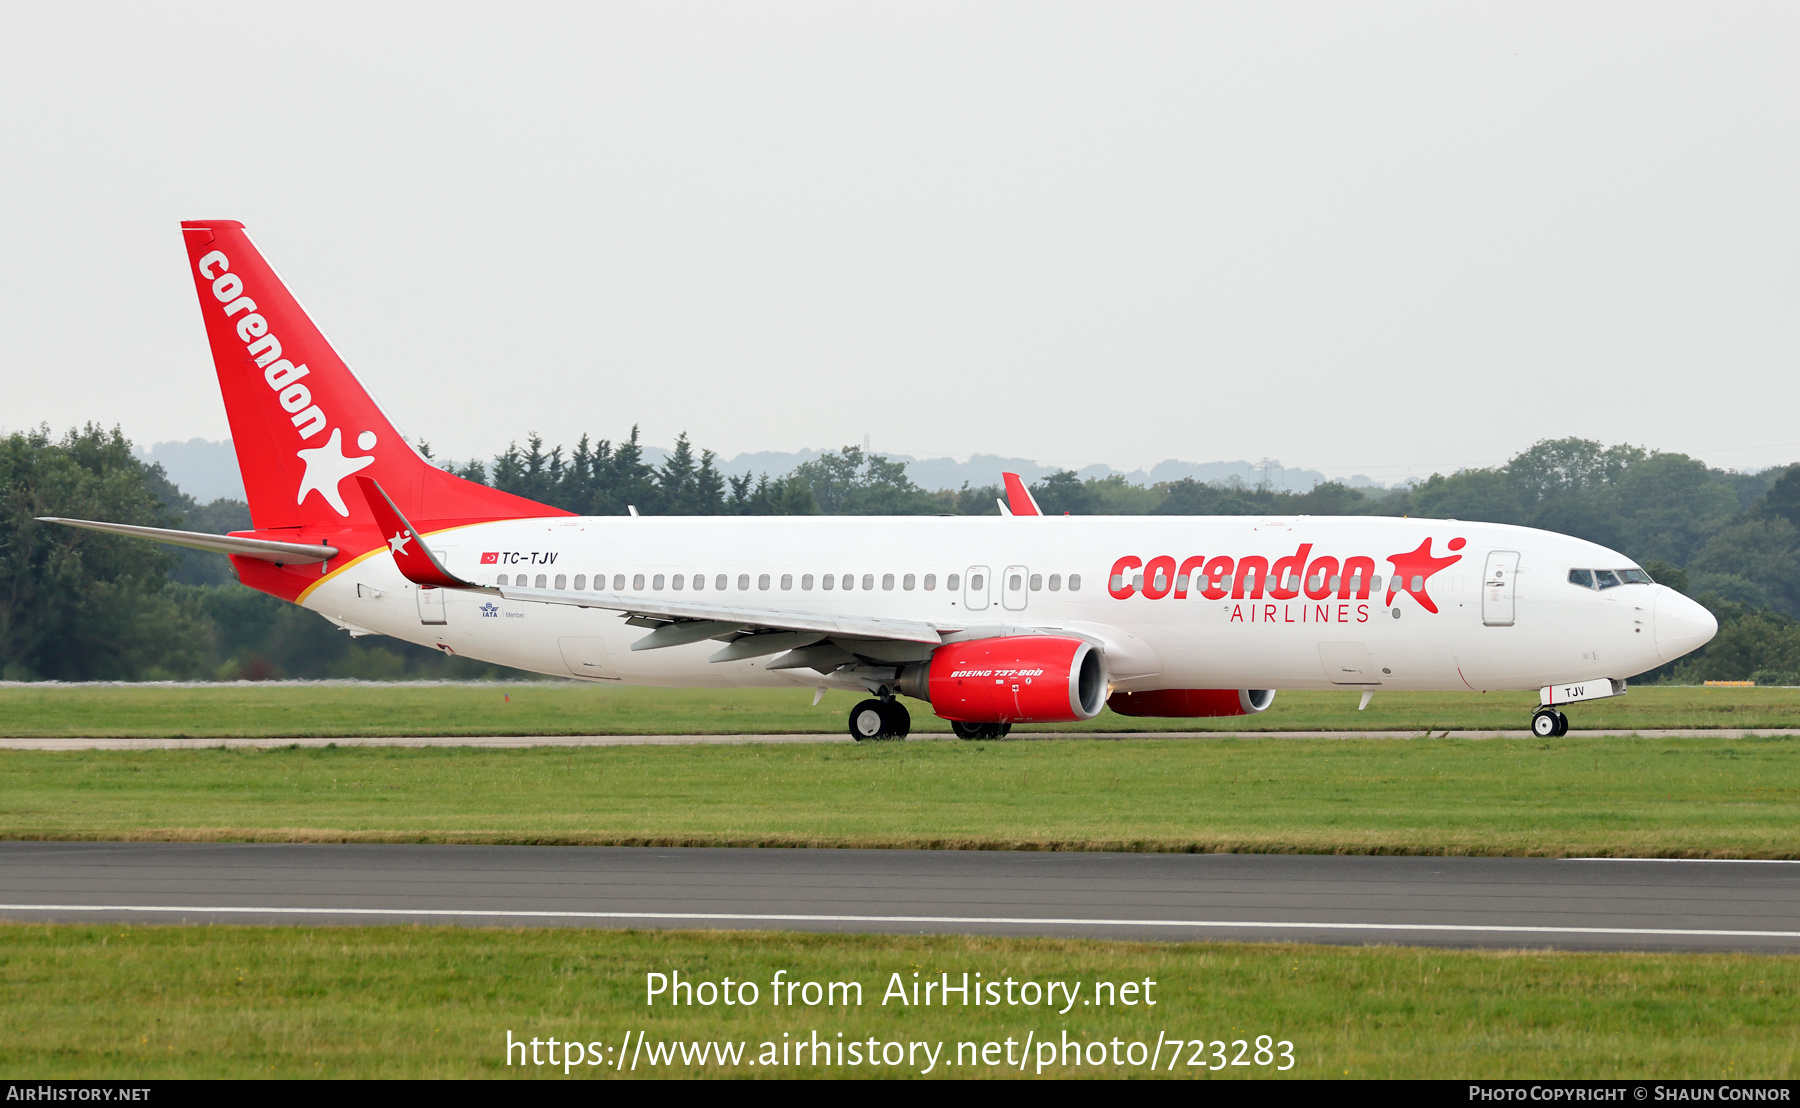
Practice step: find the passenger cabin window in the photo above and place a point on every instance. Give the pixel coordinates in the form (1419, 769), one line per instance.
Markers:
(743, 582)
(1582, 577)
(1056, 582)
(828, 582)
(908, 582)
(953, 581)
(868, 581)
(580, 582)
(931, 582)
(763, 582)
(562, 581)
(500, 580)
(806, 582)
(1037, 582)
(637, 582)
(787, 581)
(657, 582)
(619, 582)
(849, 581)
(679, 580)
(977, 581)
(699, 582)
(887, 582)
(540, 580)
(1074, 582)
(719, 582)
(1016, 582)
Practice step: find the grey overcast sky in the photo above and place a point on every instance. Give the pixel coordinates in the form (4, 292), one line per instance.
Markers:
(1376, 238)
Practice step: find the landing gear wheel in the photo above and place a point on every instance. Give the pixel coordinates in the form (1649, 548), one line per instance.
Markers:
(1547, 723)
(979, 730)
(867, 720)
(898, 721)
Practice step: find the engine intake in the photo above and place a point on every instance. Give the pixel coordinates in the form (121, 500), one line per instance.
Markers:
(1192, 703)
(1019, 679)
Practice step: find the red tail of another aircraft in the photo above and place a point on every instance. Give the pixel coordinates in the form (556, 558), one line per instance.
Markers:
(301, 421)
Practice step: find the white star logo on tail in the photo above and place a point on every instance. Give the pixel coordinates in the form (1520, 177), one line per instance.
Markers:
(398, 543)
(325, 467)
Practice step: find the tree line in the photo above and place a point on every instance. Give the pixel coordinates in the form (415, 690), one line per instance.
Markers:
(76, 605)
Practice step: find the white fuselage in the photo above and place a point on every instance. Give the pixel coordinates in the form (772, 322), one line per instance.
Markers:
(1533, 630)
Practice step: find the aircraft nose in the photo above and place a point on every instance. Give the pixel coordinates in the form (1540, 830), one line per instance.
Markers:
(1681, 624)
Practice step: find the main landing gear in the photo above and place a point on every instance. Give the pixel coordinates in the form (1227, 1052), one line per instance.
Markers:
(880, 719)
(1548, 723)
(979, 730)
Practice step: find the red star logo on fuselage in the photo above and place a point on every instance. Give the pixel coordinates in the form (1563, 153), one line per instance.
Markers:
(1418, 566)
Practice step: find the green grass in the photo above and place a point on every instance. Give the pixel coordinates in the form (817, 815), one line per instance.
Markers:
(1571, 796)
(89, 1002)
(342, 711)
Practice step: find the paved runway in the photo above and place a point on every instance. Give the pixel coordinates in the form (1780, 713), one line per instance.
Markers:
(1490, 902)
(103, 743)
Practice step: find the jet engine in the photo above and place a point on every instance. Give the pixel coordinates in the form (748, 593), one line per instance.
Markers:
(1018, 679)
(1192, 703)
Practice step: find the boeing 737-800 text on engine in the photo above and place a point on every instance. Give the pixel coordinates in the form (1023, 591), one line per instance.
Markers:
(992, 620)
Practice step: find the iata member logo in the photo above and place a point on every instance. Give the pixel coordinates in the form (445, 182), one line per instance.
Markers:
(490, 610)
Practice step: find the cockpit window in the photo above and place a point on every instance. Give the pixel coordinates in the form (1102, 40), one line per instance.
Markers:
(1608, 578)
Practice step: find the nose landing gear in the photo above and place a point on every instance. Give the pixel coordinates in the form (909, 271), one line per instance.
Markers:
(1548, 723)
(880, 719)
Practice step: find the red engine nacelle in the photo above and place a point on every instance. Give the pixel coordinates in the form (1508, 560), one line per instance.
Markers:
(1192, 703)
(1022, 679)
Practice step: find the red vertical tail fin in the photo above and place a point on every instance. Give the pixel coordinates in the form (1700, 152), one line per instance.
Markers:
(300, 419)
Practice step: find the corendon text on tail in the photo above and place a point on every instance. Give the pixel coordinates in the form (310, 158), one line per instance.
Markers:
(991, 621)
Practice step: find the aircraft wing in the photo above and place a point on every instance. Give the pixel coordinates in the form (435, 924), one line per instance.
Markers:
(728, 617)
(269, 550)
(673, 622)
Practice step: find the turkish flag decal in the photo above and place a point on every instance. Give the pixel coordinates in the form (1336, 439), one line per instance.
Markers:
(489, 559)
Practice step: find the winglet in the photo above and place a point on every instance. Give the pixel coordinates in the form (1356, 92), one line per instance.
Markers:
(1019, 497)
(415, 560)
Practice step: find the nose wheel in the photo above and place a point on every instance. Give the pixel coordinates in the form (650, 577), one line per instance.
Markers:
(1548, 723)
(880, 719)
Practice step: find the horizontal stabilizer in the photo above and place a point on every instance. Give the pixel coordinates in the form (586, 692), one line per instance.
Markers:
(269, 550)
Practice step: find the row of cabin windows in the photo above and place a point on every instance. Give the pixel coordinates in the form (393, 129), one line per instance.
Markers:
(1315, 583)
(1017, 582)
(827, 581)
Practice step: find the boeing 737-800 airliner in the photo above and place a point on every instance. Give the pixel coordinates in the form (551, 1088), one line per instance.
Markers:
(995, 620)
